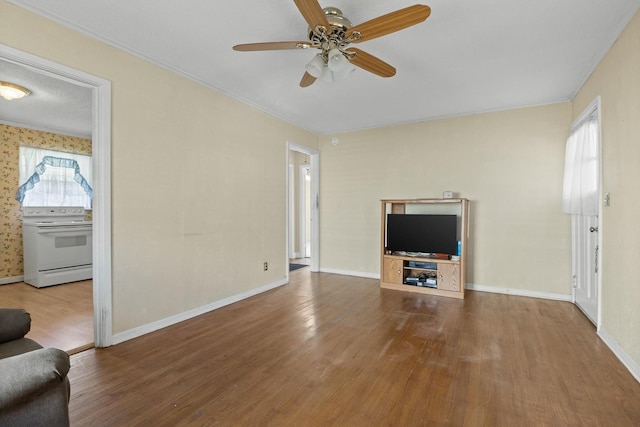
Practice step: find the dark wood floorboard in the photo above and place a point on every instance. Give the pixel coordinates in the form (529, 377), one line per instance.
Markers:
(61, 316)
(331, 350)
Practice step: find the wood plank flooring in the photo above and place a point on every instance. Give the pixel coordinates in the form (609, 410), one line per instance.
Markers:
(61, 316)
(330, 350)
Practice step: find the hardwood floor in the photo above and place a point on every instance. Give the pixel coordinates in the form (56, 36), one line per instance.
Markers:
(61, 316)
(330, 350)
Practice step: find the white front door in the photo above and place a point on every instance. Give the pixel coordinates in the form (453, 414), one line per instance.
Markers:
(585, 264)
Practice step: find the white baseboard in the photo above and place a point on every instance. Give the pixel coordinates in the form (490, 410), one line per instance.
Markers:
(472, 287)
(350, 273)
(8, 280)
(163, 323)
(624, 357)
(518, 292)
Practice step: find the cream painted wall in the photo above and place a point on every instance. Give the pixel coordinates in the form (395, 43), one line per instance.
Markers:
(617, 81)
(191, 223)
(509, 164)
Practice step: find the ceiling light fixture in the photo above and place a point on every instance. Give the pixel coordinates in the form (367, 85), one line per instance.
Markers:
(329, 68)
(337, 61)
(11, 91)
(333, 61)
(315, 66)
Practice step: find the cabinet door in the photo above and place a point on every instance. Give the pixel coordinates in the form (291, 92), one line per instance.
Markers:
(392, 270)
(449, 277)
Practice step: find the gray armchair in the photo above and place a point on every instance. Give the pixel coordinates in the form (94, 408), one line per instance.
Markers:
(34, 388)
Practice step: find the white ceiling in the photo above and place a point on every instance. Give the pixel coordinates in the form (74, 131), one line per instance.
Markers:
(54, 105)
(468, 57)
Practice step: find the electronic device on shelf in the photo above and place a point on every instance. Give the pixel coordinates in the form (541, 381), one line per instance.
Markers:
(423, 281)
(423, 264)
(418, 234)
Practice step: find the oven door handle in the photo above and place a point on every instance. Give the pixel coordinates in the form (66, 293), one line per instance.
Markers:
(73, 229)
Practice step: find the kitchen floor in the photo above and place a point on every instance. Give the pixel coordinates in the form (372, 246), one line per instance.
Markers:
(61, 315)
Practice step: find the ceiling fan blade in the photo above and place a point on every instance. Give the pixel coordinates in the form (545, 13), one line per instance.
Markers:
(250, 47)
(312, 13)
(391, 22)
(370, 63)
(307, 80)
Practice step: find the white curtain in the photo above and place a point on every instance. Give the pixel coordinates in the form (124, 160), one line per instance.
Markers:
(30, 157)
(54, 178)
(580, 187)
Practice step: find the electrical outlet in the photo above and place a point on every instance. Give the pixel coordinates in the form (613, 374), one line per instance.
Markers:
(266, 266)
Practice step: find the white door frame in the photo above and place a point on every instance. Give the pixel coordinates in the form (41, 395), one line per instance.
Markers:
(101, 154)
(594, 106)
(314, 164)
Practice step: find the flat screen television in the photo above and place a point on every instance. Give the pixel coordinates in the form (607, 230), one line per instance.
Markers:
(437, 234)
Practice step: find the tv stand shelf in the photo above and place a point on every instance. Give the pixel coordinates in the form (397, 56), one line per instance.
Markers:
(436, 275)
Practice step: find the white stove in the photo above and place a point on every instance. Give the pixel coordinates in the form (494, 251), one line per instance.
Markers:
(57, 245)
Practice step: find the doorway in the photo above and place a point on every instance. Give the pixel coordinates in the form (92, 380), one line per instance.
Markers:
(583, 150)
(303, 205)
(101, 163)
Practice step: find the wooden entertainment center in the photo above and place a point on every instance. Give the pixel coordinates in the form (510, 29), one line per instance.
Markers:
(434, 274)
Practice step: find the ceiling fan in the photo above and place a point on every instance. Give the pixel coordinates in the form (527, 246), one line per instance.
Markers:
(332, 34)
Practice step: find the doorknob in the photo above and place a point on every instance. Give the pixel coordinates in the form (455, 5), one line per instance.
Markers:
(593, 229)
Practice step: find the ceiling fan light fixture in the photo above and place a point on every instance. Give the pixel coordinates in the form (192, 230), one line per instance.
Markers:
(11, 91)
(345, 71)
(327, 75)
(337, 60)
(315, 66)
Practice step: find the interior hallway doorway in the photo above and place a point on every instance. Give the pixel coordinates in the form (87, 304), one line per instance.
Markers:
(302, 205)
(101, 155)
